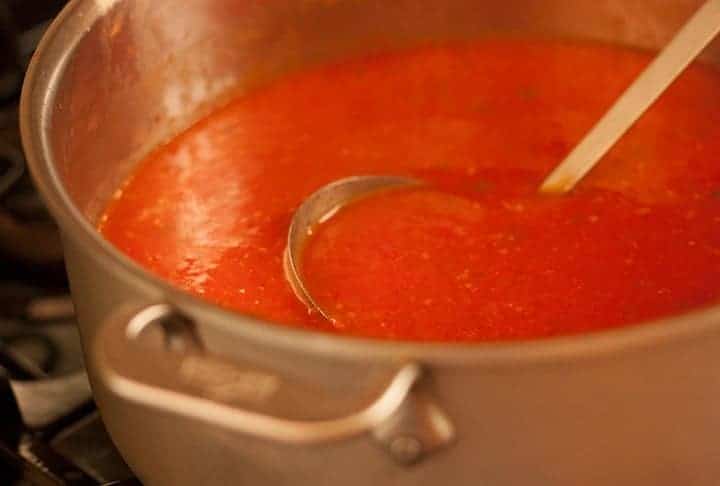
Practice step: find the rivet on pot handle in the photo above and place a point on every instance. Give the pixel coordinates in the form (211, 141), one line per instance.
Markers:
(155, 357)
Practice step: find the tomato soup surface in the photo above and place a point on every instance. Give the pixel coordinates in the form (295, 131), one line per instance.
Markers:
(476, 254)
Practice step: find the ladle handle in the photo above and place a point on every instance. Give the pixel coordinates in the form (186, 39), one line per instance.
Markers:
(695, 35)
(154, 357)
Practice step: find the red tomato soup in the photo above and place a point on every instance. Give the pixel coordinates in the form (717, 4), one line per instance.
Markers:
(474, 255)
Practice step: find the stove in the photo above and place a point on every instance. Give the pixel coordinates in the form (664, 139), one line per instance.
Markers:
(51, 432)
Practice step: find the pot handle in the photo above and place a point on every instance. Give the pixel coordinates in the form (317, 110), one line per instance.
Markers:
(156, 358)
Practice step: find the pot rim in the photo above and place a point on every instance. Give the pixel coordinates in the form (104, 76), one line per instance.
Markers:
(36, 106)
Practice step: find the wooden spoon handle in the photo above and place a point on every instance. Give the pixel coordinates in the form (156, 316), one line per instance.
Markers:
(695, 35)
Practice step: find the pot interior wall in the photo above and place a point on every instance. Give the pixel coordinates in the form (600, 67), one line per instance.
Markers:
(148, 68)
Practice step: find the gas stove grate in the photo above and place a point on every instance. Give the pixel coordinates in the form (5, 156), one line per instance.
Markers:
(51, 432)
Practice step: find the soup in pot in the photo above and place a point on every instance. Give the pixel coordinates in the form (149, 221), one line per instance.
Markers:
(476, 254)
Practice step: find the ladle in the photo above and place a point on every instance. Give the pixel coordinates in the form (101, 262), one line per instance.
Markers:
(687, 44)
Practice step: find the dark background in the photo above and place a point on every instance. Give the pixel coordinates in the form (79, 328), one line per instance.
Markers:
(50, 431)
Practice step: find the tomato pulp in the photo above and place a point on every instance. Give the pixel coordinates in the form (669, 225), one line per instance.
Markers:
(476, 254)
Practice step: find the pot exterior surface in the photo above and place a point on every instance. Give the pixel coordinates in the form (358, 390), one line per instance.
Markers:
(647, 416)
(114, 78)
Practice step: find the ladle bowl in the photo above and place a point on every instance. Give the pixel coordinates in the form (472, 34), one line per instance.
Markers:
(316, 209)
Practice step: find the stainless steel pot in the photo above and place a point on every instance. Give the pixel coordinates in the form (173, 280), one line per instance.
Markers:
(194, 395)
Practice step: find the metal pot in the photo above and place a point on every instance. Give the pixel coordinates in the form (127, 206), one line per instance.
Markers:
(192, 394)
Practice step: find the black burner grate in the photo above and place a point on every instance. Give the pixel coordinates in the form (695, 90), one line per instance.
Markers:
(51, 432)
